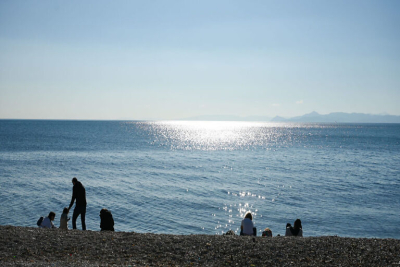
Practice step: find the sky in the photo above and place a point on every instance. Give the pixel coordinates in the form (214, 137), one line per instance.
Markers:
(166, 60)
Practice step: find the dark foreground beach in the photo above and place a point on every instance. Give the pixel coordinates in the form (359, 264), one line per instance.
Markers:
(23, 246)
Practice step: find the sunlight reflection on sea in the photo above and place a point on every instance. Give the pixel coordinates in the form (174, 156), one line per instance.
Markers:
(221, 135)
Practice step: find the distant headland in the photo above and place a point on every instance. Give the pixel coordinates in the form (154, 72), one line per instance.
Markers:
(313, 117)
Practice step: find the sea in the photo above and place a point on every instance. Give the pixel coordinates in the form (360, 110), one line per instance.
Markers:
(199, 177)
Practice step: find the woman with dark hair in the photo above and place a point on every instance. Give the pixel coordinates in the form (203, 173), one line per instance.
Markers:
(247, 227)
(48, 221)
(297, 230)
(106, 220)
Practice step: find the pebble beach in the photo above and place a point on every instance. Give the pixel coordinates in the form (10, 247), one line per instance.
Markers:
(25, 246)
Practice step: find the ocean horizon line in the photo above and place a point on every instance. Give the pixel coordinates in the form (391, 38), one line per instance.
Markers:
(185, 120)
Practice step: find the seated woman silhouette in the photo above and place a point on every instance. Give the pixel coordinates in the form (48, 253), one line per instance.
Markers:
(247, 227)
(297, 230)
(106, 220)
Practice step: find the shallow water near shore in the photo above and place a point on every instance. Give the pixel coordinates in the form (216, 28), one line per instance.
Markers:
(201, 177)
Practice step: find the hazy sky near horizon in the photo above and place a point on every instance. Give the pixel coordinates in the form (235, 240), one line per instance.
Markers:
(178, 59)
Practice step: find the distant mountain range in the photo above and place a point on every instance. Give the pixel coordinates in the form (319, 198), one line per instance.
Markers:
(227, 118)
(339, 117)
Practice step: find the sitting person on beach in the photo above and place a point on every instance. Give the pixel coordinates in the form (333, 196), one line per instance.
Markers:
(106, 220)
(48, 221)
(267, 232)
(247, 226)
(297, 230)
(230, 232)
(64, 219)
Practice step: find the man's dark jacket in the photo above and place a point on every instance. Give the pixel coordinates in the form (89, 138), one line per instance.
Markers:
(78, 193)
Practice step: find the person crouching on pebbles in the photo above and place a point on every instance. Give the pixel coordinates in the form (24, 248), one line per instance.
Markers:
(48, 221)
(267, 232)
(106, 220)
(297, 230)
(64, 219)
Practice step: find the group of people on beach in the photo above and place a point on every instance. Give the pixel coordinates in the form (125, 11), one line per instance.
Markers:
(79, 198)
(107, 221)
(247, 228)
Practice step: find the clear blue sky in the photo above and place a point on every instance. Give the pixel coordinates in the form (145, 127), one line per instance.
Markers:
(177, 59)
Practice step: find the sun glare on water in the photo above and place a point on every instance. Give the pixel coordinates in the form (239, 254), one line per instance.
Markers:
(214, 135)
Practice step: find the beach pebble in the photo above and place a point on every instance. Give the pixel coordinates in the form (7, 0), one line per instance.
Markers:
(23, 246)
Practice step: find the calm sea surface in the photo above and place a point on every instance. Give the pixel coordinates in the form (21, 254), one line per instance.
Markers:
(201, 177)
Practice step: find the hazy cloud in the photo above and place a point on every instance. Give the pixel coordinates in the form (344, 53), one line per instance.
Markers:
(299, 102)
(276, 105)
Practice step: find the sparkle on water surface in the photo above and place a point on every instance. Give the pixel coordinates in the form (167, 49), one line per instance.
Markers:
(202, 177)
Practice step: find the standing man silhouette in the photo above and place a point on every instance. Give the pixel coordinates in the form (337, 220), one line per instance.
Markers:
(78, 193)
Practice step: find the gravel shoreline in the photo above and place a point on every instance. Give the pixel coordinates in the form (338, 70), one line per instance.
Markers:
(25, 246)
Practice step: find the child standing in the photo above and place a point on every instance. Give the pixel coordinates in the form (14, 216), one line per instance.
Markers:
(64, 219)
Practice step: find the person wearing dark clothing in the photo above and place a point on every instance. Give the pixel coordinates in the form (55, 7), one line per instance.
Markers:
(297, 230)
(78, 194)
(106, 220)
